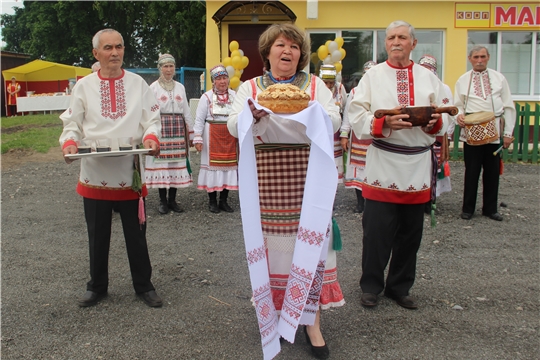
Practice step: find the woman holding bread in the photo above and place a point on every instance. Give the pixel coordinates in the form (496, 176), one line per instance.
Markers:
(286, 205)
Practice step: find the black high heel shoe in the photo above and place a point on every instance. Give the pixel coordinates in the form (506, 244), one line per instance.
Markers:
(320, 352)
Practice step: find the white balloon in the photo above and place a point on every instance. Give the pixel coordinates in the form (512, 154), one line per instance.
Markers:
(336, 56)
(230, 70)
(242, 52)
(333, 46)
(328, 60)
(338, 77)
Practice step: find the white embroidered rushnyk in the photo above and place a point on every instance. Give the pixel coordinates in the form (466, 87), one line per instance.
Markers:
(313, 231)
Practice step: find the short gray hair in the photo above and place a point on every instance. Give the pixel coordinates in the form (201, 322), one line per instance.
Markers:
(398, 23)
(96, 38)
(477, 48)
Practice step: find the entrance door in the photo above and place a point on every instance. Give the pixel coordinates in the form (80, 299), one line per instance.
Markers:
(248, 37)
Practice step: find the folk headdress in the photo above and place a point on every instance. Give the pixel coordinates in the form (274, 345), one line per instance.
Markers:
(218, 70)
(327, 72)
(429, 62)
(368, 65)
(162, 60)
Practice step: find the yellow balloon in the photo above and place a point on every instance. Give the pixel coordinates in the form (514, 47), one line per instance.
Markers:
(234, 83)
(245, 62)
(339, 41)
(233, 45)
(314, 58)
(338, 67)
(327, 43)
(343, 53)
(238, 73)
(227, 61)
(236, 62)
(322, 52)
(235, 53)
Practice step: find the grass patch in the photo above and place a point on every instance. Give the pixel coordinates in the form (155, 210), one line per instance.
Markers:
(32, 132)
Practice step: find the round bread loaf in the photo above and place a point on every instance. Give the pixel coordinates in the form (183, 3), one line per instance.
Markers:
(283, 99)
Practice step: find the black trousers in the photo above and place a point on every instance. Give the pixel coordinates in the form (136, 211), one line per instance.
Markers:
(98, 214)
(390, 230)
(478, 158)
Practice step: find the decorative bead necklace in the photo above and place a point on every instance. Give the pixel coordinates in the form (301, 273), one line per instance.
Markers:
(282, 79)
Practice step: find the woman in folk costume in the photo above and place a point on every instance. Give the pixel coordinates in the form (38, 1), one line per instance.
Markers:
(286, 205)
(441, 144)
(328, 74)
(356, 150)
(170, 170)
(219, 158)
(13, 90)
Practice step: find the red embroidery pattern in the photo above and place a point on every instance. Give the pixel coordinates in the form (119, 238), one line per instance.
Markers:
(266, 312)
(70, 111)
(178, 98)
(86, 181)
(106, 99)
(376, 183)
(297, 291)
(393, 186)
(480, 79)
(122, 184)
(446, 101)
(256, 255)
(411, 188)
(316, 286)
(402, 82)
(163, 98)
(154, 108)
(310, 237)
(425, 186)
(103, 182)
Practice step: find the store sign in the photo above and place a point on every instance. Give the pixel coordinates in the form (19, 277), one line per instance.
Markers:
(497, 15)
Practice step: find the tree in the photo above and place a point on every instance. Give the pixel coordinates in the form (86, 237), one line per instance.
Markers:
(62, 31)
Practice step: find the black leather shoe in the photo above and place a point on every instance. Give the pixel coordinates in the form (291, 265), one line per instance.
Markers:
(151, 298)
(163, 208)
(359, 208)
(466, 216)
(320, 352)
(225, 207)
(213, 207)
(405, 301)
(175, 207)
(495, 216)
(90, 298)
(369, 300)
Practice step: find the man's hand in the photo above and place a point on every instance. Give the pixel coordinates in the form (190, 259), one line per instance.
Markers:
(397, 122)
(198, 147)
(461, 120)
(344, 143)
(68, 150)
(154, 146)
(432, 122)
(507, 141)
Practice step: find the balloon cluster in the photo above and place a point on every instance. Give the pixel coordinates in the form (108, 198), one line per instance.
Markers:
(331, 53)
(235, 64)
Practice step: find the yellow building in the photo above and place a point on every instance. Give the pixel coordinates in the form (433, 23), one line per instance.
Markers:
(445, 29)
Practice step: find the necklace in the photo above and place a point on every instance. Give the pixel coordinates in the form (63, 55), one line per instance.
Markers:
(166, 84)
(282, 79)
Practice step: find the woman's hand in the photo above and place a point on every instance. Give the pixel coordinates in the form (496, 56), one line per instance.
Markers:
(198, 147)
(257, 114)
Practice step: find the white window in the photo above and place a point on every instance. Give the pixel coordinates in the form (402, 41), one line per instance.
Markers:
(516, 55)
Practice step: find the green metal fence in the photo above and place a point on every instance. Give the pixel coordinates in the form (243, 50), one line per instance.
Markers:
(526, 133)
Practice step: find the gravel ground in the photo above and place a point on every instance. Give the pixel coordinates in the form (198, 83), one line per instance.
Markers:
(477, 281)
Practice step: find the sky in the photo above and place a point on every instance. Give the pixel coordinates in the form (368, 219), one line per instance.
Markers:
(7, 6)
